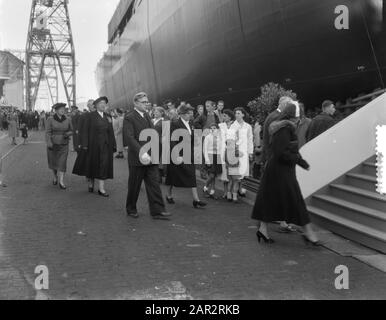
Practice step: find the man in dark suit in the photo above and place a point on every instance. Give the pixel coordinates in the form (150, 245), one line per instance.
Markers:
(140, 166)
(322, 122)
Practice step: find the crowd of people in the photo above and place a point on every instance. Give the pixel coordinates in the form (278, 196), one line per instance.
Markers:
(231, 145)
(18, 123)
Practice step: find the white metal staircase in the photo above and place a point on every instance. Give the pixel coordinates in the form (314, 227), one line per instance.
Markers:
(340, 188)
(351, 207)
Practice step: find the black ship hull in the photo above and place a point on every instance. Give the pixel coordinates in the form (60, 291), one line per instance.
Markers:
(212, 49)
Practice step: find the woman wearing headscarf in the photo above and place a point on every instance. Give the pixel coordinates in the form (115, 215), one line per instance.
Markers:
(279, 197)
(99, 141)
(180, 174)
(58, 133)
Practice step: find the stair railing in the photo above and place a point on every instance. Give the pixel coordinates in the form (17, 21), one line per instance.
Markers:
(342, 148)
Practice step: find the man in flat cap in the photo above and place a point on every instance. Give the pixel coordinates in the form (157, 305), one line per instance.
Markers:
(322, 122)
(140, 166)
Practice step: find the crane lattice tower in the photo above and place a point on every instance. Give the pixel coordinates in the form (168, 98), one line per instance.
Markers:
(50, 52)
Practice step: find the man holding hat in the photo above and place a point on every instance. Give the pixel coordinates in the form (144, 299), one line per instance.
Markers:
(322, 122)
(140, 166)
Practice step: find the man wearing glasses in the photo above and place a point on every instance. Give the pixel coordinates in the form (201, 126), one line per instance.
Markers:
(140, 166)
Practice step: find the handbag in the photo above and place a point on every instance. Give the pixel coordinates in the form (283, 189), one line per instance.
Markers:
(234, 164)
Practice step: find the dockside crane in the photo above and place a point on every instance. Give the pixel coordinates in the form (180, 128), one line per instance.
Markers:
(50, 52)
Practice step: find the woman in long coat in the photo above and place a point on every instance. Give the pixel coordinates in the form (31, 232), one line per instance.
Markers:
(81, 163)
(13, 127)
(100, 143)
(280, 197)
(58, 133)
(180, 174)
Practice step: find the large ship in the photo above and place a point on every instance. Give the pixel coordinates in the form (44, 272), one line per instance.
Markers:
(210, 49)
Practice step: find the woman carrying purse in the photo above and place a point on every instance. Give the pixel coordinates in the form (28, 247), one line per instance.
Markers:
(58, 133)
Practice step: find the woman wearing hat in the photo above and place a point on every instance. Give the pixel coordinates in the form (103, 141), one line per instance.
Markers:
(180, 174)
(279, 197)
(99, 140)
(58, 133)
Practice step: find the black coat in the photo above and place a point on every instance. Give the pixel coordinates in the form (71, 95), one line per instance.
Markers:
(133, 125)
(183, 175)
(200, 121)
(75, 125)
(158, 128)
(279, 197)
(266, 152)
(99, 140)
(81, 163)
(319, 125)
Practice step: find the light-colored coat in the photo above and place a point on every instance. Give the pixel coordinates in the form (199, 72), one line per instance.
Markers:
(244, 140)
(13, 126)
(118, 132)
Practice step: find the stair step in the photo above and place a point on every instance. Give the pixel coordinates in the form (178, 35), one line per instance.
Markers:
(370, 168)
(362, 181)
(359, 196)
(349, 229)
(366, 216)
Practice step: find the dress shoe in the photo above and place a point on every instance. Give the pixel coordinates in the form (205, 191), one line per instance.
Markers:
(199, 204)
(212, 196)
(242, 195)
(170, 200)
(62, 186)
(162, 216)
(133, 215)
(261, 236)
(55, 182)
(103, 194)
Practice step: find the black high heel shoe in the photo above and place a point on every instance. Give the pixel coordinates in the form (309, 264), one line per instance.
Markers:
(199, 204)
(63, 187)
(55, 182)
(103, 194)
(265, 239)
(307, 241)
(170, 200)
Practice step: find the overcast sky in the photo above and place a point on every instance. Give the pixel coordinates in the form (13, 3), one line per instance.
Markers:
(89, 20)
